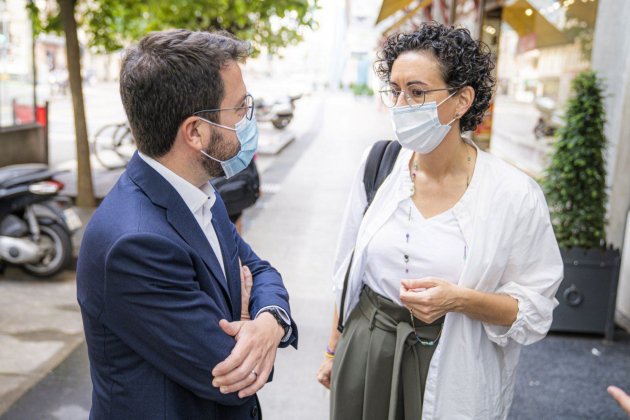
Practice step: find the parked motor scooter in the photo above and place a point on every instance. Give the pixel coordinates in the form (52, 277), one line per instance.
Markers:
(550, 119)
(279, 111)
(36, 223)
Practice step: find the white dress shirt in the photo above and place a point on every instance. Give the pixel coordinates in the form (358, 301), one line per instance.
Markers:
(511, 249)
(200, 201)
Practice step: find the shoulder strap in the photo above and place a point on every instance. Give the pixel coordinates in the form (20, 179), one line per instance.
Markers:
(378, 166)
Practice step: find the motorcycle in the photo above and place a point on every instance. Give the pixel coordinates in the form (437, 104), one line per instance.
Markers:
(36, 223)
(279, 111)
(550, 118)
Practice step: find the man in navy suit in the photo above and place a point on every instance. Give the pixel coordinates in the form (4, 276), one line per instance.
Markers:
(160, 268)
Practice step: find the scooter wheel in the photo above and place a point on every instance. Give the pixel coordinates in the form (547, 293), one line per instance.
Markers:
(58, 243)
(281, 123)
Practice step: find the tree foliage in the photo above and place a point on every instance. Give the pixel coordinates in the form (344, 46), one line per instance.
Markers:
(575, 182)
(112, 24)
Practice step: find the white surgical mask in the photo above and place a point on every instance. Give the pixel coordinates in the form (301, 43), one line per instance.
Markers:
(418, 128)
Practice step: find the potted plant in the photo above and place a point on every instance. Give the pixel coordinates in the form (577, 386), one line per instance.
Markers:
(575, 187)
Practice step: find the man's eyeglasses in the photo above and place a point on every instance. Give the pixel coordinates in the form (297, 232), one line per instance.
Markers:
(414, 96)
(246, 109)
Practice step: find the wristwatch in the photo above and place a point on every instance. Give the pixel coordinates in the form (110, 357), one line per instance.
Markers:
(279, 319)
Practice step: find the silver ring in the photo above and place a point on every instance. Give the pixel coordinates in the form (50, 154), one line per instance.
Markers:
(255, 374)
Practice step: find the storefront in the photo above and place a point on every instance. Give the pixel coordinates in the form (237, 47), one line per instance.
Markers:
(540, 46)
(22, 123)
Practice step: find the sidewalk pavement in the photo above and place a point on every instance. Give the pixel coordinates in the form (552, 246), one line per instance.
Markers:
(40, 325)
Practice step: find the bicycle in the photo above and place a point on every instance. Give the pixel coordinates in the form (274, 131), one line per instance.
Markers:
(113, 145)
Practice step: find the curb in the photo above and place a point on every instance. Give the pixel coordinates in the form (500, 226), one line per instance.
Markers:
(7, 400)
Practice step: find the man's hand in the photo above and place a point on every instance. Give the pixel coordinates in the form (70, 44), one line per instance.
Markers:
(429, 298)
(248, 366)
(621, 397)
(247, 282)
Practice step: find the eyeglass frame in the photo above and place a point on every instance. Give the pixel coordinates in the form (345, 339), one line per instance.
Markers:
(249, 115)
(424, 95)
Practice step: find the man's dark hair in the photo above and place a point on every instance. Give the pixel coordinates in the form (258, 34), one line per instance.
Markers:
(168, 76)
(462, 61)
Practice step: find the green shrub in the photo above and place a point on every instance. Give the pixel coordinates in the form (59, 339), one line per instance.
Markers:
(575, 181)
(362, 89)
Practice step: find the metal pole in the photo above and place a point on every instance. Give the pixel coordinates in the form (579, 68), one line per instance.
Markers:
(34, 73)
(480, 15)
(452, 13)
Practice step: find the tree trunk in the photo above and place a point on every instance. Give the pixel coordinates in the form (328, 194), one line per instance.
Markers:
(85, 191)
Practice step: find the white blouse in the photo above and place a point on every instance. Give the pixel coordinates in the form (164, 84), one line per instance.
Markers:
(409, 246)
(511, 249)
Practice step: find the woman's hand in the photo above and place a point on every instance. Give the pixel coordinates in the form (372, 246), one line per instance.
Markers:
(429, 298)
(325, 372)
(246, 290)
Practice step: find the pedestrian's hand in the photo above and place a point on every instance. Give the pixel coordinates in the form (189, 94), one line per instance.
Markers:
(247, 282)
(429, 298)
(621, 397)
(324, 373)
(249, 365)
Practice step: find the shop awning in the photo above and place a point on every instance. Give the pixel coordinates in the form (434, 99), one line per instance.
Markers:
(408, 15)
(542, 31)
(389, 7)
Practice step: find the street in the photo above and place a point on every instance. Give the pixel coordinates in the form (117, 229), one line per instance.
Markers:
(295, 227)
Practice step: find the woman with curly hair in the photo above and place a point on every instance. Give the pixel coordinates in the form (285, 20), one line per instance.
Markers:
(453, 266)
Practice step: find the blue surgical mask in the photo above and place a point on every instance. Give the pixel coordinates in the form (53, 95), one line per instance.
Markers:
(247, 134)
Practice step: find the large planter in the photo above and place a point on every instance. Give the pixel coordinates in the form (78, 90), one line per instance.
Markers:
(588, 292)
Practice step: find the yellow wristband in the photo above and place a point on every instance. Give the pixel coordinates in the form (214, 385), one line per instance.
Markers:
(329, 355)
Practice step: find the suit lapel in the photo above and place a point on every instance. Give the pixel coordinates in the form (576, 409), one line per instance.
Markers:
(232, 271)
(162, 194)
(186, 225)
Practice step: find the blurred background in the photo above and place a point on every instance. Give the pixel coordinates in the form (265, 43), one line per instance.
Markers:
(63, 133)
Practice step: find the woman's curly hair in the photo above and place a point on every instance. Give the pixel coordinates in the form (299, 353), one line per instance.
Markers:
(462, 60)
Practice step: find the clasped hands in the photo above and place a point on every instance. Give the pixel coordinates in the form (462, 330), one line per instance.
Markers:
(429, 298)
(249, 365)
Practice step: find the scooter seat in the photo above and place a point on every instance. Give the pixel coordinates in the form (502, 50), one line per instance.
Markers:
(10, 174)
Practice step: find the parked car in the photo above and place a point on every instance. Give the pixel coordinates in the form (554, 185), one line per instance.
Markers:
(239, 192)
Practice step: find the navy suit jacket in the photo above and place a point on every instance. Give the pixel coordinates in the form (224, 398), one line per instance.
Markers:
(152, 292)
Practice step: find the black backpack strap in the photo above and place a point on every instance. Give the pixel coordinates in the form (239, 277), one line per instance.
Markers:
(378, 166)
(343, 296)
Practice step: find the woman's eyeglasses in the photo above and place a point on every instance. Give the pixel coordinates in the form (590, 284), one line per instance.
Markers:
(413, 95)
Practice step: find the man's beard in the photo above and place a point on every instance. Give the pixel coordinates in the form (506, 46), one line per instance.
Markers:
(218, 148)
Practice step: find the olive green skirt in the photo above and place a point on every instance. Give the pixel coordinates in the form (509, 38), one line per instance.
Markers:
(380, 367)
